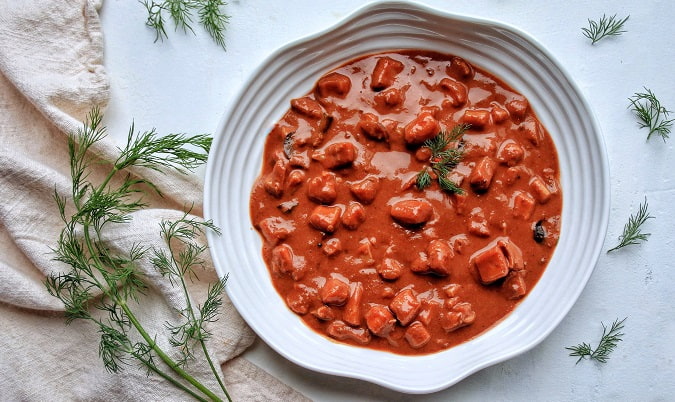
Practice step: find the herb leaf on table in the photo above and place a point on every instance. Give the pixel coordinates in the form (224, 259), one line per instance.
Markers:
(209, 12)
(96, 269)
(632, 230)
(604, 27)
(651, 113)
(608, 342)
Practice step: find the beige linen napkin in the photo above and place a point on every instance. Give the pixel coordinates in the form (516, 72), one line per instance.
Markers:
(51, 75)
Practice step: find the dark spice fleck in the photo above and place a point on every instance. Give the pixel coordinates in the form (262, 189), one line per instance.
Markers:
(539, 232)
(288, 145)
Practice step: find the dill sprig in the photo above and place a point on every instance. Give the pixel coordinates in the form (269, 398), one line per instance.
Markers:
(210, 14)
(651, 113)
(608, 342)
(632, 231)
(103, 286)
(604, 27)
(214, 20)
(443, 160)
(179, 263)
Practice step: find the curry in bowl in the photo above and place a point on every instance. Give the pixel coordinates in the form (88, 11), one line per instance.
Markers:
(407, 203)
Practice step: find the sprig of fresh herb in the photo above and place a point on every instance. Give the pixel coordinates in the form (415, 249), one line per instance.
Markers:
(632, 231)
(210, 14)
(608, 342)
(651, 113)
(96, 270)
(443, 160)
(604, 27)
(178, 263)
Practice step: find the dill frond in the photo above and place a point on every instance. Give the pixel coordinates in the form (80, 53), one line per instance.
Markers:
(214, 20)
(443, 159)
(604, 27)
(94, 269)
(423, 179)
(210, 14)
(632, 230)
(608, 342)
(651, 113)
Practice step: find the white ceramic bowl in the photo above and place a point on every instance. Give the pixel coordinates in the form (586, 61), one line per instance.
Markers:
(515, 57)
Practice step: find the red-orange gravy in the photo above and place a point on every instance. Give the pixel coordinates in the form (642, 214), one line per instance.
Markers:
(358, 250)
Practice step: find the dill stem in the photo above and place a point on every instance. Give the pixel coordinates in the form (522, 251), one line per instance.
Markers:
(156, 370)
(165, 358)
(172, 380)
(201, 340)
(213, 369)
(141, 330)
(108, 285)
(112, 173)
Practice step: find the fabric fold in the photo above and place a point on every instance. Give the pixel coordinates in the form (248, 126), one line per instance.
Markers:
(51, 76)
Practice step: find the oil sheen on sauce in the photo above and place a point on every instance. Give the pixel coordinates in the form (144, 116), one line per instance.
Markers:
(363, 255)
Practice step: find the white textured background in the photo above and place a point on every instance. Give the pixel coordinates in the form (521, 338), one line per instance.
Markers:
(185, 83)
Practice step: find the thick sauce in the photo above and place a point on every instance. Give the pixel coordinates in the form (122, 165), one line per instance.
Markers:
(359, 251)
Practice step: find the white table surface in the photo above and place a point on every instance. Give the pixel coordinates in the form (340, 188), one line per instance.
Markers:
(185, 83)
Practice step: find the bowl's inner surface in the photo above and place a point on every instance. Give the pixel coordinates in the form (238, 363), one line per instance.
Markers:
(408, 202)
